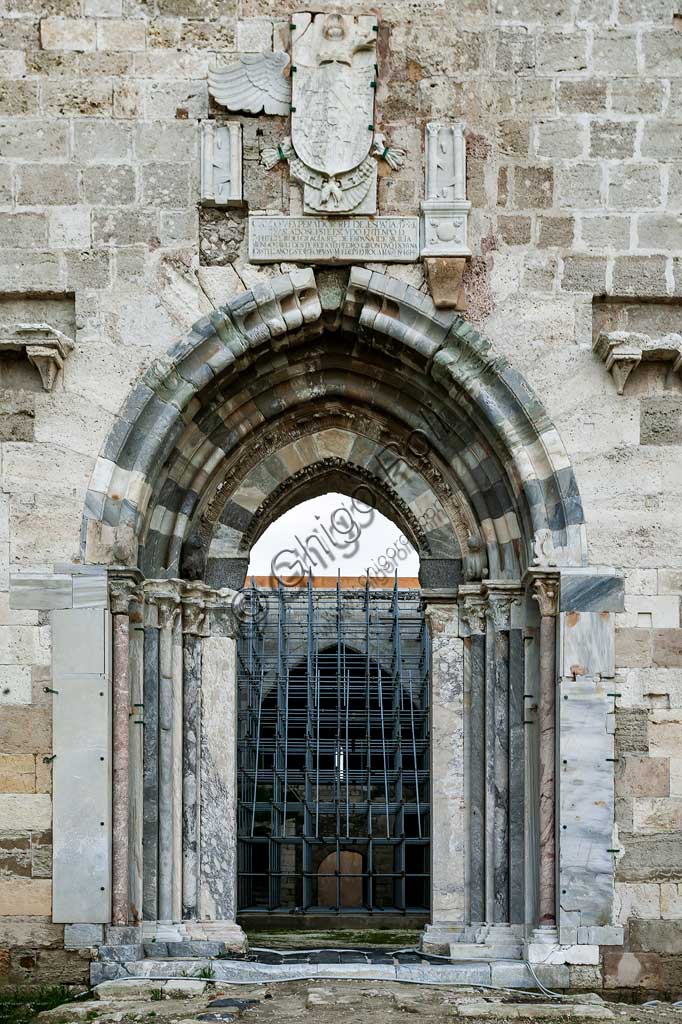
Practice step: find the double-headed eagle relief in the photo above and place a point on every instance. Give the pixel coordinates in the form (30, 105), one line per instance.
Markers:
(330, 95)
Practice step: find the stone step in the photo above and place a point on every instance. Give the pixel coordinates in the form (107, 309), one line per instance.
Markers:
(243, 972)
(486, 951)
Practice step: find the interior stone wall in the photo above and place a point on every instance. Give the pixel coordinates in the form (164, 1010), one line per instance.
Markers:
(574, 138)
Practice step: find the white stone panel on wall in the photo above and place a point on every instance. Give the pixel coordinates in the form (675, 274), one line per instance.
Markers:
(82, 765)
(586, 801)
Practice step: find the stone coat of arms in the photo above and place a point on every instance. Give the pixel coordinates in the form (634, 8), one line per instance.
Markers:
(330, 95)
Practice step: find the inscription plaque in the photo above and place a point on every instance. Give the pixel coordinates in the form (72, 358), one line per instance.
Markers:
(327, 240)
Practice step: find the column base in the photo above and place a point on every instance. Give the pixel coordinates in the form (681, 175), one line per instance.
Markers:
(229, 933)
(439, 936)
(164, 931)
(473, 941)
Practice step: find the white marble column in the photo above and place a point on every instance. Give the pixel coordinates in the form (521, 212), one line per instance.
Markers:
(447, 774)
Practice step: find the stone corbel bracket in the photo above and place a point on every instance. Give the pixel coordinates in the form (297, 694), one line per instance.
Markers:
(622, 351)
(45, 348)
(445, 213)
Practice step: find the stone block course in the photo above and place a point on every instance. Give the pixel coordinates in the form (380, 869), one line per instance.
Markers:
(636, 96)
(614, 53)
(17, 773)
(47, 184)
(662, 54)
(582, 96)
(645, 275)
(640, 775)
(25, 897)
(107, 185)
(612, 140)
(584, 274)
(121, 34)
(60, 33)
(90, 98)
(533, 187)
(560, 52)
(18, 723)
(18, 98)
(580, 185)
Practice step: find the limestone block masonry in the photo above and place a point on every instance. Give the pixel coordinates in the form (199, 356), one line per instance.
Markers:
(220, 284)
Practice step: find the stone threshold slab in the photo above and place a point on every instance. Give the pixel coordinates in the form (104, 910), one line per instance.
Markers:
(508, 974)
(333, 240)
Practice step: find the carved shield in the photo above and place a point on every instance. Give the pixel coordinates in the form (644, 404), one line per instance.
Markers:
(333, 111)
(333, 74)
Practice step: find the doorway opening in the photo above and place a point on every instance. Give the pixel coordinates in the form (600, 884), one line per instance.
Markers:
(333, 765)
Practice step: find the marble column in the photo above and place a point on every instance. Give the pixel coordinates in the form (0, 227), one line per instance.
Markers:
(447, 773)
(165, 596)
(150, 755)
(136, 760)
(472, 628)
(120, 595)
(194, 628)
(217, 826)
(497, 745)
(545, 590)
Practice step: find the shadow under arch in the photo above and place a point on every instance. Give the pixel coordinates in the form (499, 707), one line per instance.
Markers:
(275, 362)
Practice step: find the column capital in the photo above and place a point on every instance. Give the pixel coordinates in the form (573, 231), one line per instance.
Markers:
(223, 605)
(544, 586)
(195, 602)
(165, 594)
(472, 604)
(440, 606)
(122, 590)
(500, 595)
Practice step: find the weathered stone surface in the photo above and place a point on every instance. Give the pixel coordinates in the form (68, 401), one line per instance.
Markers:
(650, 858)
(656, 936)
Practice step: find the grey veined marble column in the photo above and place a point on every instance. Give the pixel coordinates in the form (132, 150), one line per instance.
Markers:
(545, 592)
(447, 774)
(194, 628)
(217, 751)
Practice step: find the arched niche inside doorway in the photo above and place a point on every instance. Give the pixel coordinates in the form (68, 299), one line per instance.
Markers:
(307, 379)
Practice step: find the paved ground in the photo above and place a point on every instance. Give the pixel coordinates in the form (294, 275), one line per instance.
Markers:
(329, 1002)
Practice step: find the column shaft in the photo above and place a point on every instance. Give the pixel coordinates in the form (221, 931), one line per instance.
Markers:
(547, 902)
(447, 765)
(150, 827)
(545, 592)
(190, 774)
(166, 768)
(120, 764)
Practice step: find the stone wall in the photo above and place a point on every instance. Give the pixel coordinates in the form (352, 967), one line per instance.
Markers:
(574, 137)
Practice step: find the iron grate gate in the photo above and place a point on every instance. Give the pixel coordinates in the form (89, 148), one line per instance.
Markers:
(333, 785)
